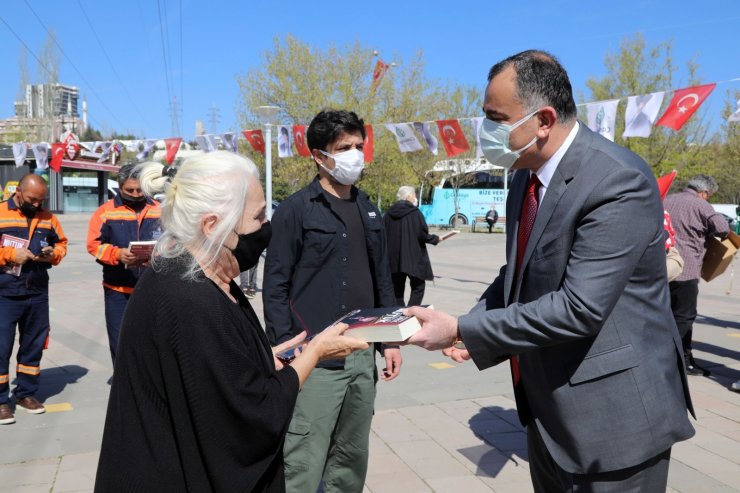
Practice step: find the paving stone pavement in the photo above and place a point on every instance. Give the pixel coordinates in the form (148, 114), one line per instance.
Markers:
(439, 427)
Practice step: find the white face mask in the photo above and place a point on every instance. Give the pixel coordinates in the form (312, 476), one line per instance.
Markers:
(347, 165)
(494, 141)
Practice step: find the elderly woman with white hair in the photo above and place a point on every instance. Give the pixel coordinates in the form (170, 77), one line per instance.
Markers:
(408, 236)
(199, 402)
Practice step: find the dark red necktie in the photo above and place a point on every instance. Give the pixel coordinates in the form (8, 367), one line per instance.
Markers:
(529, 212)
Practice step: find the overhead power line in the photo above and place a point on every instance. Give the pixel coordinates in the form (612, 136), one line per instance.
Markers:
(164, 58)
(110, 62)
(79, 73)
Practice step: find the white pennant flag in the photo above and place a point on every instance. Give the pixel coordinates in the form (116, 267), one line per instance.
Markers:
(285, 141)
(106, 146)
(404, 134)
(602, 117)
(641, 113)
(20, 150)
(131, 145)
(229, 141)
(212, 141)
(735, 117)
(148, 146)
(206, 144)
(477, 123)
(41, 153)
(431, 140)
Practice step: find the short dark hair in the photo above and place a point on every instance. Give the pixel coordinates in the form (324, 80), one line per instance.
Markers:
(540, 81)
(126, 172)
(329, 124)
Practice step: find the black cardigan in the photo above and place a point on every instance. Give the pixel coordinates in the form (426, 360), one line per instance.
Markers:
(196, 403)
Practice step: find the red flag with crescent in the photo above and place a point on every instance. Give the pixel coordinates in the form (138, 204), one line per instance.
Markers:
(378, 73)
(664, 183)
(57, 154)
(255, 139)
(368, 148)
(299, 139)
(171, 145)
(71, 146)
(685, 102)
(452, 137)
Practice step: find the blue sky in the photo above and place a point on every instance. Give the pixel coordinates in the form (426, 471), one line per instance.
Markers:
(221, 39)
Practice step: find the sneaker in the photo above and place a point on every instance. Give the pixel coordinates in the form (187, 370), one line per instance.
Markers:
(6, 415)
(735, 386)
(250, 293)
(31, 405)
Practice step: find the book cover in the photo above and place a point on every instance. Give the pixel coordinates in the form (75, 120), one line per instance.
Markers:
(380, 324)
(143, 250)
(12, 242)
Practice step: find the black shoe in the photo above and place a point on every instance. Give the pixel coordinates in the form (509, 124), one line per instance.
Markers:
(693, 369)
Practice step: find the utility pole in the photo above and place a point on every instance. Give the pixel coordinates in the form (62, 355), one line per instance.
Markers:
(175, 118)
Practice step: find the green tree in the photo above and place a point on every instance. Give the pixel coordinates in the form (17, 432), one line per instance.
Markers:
(727, 151)
(639, 69)
(303, 80)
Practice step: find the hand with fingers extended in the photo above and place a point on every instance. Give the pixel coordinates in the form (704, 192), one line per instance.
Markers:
(327, 344)
(331, 344)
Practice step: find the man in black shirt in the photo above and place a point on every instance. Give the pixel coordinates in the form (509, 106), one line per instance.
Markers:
(328, 255)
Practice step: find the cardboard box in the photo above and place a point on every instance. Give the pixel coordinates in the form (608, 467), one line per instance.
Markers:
(719, 256)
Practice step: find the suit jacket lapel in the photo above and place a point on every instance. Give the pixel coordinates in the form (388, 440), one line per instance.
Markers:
(564, 173)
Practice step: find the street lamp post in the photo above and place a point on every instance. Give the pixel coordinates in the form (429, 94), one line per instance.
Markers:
(267, 115)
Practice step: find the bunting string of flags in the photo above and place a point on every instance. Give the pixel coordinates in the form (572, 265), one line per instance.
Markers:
(641, 115)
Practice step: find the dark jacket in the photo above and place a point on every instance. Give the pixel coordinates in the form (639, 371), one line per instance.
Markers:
(196, 404)
(34, 278)
(112, 227)
(408, 236)
(306, 272)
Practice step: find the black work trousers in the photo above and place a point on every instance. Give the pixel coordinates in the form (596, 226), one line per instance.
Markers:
(684, 295)
(417, 288)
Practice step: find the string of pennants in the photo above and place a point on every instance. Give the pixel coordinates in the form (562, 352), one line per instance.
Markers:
(640, 116)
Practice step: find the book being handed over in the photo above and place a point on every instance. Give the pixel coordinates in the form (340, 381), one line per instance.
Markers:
(142, 250)
(381, 324)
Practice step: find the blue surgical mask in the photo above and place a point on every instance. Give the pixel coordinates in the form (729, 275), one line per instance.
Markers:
(494, 141)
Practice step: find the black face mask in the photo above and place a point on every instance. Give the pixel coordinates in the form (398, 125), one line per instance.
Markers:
(250, 246)
(29, 210)
(136, 203)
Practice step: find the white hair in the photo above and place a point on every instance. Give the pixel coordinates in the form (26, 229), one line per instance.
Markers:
(404, 192)
(209, 183)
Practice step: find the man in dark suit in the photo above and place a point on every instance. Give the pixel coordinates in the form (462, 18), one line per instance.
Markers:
(582, 305)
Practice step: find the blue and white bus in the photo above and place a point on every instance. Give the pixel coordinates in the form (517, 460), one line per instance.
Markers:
(481, 186)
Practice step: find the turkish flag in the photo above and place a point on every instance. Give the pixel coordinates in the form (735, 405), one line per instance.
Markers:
(299, 139)
(57, 153)
(171, 145)
(664, 183)
(255, 139)
(378, 73)
(72, 148)
(685, 102)
(368, 149)
(452, 137)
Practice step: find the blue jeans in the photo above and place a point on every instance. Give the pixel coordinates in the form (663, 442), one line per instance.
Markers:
(115, 305)
(31, 315)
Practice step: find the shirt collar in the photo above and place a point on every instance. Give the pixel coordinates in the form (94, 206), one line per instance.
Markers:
(548, 169)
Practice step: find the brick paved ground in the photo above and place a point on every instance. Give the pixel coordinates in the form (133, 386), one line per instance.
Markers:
(439, 427)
